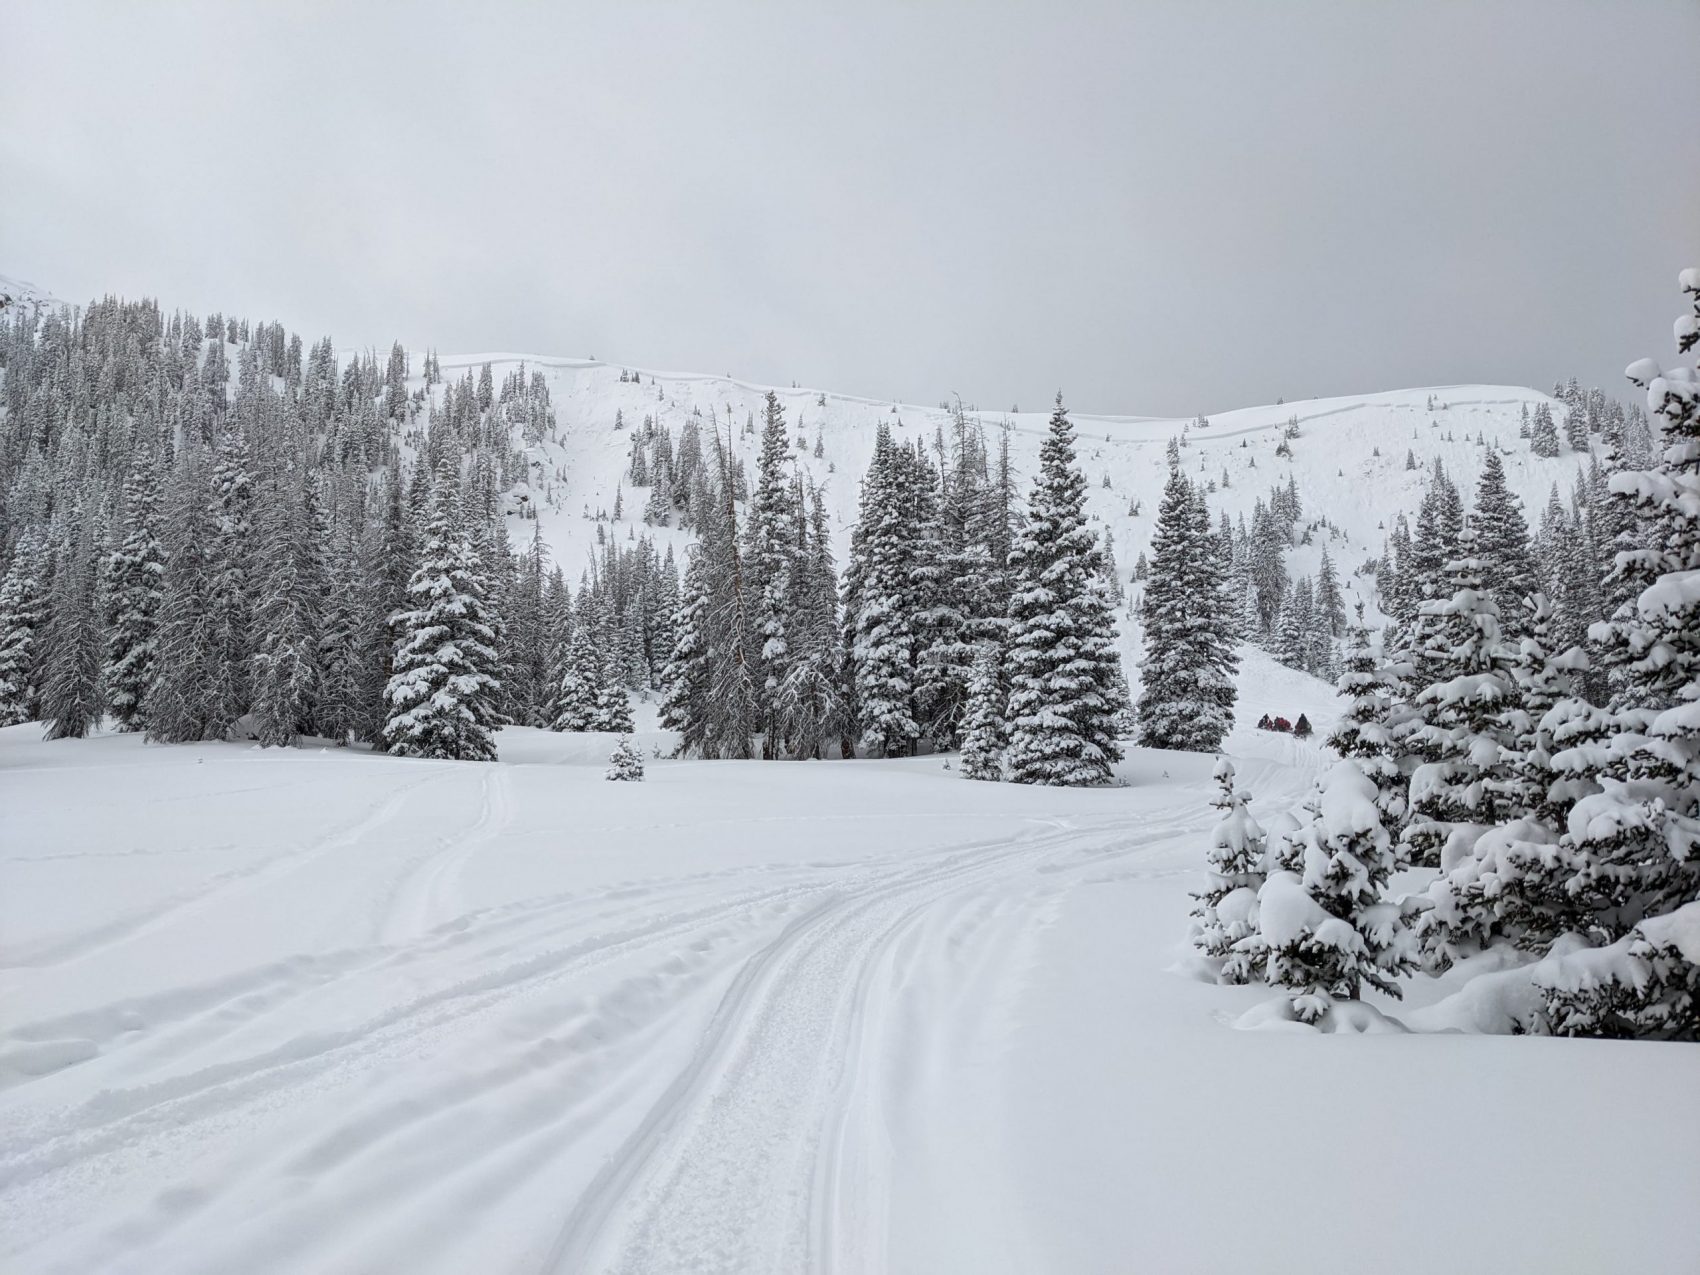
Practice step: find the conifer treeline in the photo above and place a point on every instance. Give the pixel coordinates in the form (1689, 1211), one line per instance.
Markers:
(1544, 759)
(958, 622)
(210, 527)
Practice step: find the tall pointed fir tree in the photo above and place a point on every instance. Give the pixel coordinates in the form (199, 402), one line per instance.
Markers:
(1502, 544)
(71, 703)
(1362, 735)
(289, 571)
(1543, 434)
(812, 704)
(1189, 691)
(708, 692)
(23, 625)
(688, 677)
(883, 649)
(985, 733)
(182, 705)
(1063, 691)
(229, 613)
(773, 536)
(134, 585)
(1457, 734)
(444, 692)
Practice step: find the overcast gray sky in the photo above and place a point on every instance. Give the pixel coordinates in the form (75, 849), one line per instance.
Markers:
(1159, 207)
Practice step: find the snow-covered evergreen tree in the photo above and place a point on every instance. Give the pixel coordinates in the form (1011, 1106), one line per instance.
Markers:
(1235, 869)
(291, 579)
(71, 701)
(1362, 735)
(1502, 544)
(1326, 925)
(182, 705)
(625, 763)
(1456, 789)
(444, 692)
(134, 586)
(1329, 606)
(581, 696)
(1063, 698)
(985, 733)
(883, 650)
(1543, 434)
(813, 711)
(772, 545)
(1188, 696)
(1632, 849)
(23, 623)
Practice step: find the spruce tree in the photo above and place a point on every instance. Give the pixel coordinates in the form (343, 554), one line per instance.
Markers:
(1329, 605)
(23, 623)
(1063, 698)
(444, 692)
(883, 649)
(1326, 924)
(134, 585)
(1363, 735)
(580, 699)
(625, 763)
(71, 702)
(773, 539)
(985, 733)
(812, 700)
(229, 611)
(1457, 733)
(181, 706)
(289, 571)
(687, 678)
(1189, 690)
(1502, 544)
(1543, 434)
(1235, 870)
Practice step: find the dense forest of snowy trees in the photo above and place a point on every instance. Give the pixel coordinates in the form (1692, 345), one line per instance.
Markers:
(1531, 730)
(213, 531)
(959, 621)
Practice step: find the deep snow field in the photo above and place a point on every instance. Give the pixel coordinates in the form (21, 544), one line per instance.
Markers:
(324, 1011)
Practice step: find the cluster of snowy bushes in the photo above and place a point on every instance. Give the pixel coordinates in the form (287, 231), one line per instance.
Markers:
(1566, 833)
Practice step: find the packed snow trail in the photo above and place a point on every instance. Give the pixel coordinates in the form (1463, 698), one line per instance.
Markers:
(741, 1165)
(642, 1055)
(370, 1014)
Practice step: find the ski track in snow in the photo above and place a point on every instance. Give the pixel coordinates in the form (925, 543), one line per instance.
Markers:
(743, 1163)
(774, 982)
(172, 911)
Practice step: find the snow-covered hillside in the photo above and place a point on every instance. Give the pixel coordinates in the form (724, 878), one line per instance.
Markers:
(1349, 459)
(19, 294)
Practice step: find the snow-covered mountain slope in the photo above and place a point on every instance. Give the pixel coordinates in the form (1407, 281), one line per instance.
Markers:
(1349, 459)
(19, 293)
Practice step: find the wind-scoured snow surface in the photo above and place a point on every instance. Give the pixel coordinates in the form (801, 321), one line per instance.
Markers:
(321, 1010)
